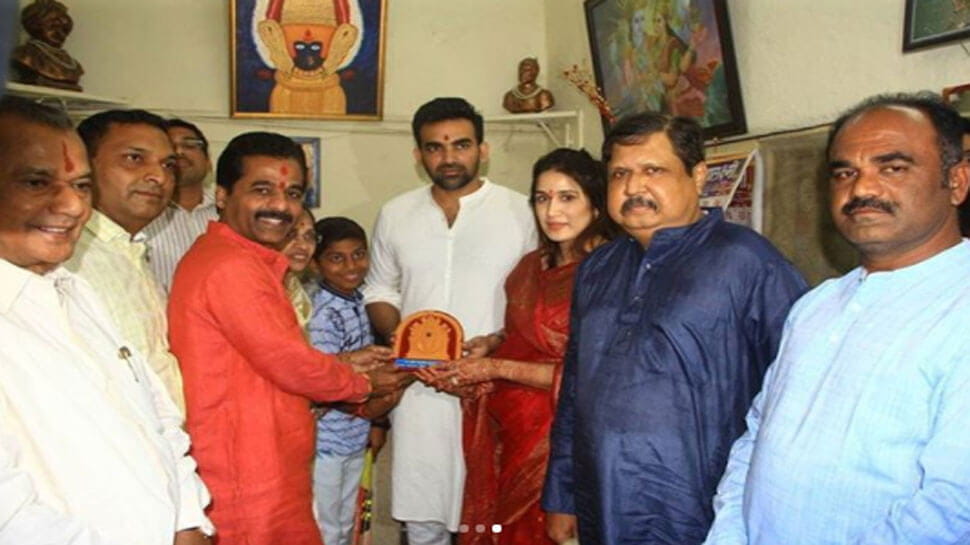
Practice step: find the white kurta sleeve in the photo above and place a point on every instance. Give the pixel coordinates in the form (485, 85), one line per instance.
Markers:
(384, 277)
(193, 494)
(23, 519)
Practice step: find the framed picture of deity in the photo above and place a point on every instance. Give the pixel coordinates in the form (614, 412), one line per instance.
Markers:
(320, 59)
(670, 56)
(311, 151)
(933, 22)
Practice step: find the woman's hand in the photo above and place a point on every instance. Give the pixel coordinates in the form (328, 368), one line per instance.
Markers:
(458, 377)
(470, 370)
(483, 345)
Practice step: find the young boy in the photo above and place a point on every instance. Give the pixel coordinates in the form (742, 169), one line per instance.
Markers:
(337, 324)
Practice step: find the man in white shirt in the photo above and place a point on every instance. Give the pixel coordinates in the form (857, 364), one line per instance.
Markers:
(191, 209)
(133, 166)
(447, 247)
(91, 447)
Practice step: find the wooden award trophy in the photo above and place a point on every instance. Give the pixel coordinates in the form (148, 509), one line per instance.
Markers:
(427, 338)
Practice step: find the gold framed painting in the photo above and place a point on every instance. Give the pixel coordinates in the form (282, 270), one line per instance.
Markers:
(318, 59)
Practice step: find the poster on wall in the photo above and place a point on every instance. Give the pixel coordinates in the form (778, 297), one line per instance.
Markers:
(733, 185)
(671, 56)
(311, 151)
(933, 22)
(307, 58)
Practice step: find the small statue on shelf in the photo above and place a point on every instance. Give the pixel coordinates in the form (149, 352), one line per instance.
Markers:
(528, 96)
(40, 60)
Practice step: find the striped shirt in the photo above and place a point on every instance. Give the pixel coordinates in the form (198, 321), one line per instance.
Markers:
(339, 324)
(114, 265)
(171, 234)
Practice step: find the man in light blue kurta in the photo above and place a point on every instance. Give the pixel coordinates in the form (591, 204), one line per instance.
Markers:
(861, 434)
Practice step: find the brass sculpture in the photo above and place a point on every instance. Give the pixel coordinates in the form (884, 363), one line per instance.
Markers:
(40, 60)
(528, 96)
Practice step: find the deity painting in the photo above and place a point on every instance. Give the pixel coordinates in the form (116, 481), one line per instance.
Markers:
(308, 58)
(670, 56)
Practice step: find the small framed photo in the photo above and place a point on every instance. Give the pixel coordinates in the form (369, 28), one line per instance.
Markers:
(311, 150)
(934, 22)
(319, 59)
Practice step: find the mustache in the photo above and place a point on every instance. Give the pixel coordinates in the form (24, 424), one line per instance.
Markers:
(868, 202)
(275, 215)
(638, 200)
(450, 166)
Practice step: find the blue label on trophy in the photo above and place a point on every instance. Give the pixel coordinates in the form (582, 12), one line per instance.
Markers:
(412, 363)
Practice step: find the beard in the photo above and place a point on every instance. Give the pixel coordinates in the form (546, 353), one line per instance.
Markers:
(459, 178)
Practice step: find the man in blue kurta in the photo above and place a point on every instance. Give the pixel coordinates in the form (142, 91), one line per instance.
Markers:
(861, 434)
(672, 330)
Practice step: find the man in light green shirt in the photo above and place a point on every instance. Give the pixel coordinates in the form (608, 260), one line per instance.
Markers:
(133, 163)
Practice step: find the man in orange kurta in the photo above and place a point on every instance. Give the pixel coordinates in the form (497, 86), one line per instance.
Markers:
(248, 372)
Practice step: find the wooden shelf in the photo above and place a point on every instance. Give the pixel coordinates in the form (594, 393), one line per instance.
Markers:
(69, 100)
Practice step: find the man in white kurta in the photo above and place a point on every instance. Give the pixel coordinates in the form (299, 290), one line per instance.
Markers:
(448, 246)
(91, 446)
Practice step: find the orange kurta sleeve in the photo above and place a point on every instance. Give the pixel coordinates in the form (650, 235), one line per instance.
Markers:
(259, 321)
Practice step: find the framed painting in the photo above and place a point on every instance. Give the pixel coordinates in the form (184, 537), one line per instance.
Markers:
(319, 59)
(311, 151)
(671, 56)
(933, 22)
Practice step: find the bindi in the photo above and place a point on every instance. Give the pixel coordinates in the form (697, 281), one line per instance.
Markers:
(68, 163)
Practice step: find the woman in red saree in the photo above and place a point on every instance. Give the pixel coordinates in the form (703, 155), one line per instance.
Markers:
(506, 431)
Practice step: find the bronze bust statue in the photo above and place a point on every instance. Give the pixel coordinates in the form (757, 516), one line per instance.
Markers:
(528, 96)
(40, 60)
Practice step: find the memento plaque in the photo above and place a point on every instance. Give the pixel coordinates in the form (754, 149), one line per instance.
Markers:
(427, 338)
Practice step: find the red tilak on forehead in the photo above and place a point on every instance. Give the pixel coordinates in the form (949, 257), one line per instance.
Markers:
(68, 163)
(447, 138)
(284, 170)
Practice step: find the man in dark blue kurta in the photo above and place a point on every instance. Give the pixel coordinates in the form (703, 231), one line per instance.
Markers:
(673, 328)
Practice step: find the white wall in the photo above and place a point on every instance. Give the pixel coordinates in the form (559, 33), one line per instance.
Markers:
(804, 61)
(800, 62)
(172, 56)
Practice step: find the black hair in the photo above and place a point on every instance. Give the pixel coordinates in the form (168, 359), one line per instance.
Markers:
(445, 108)
(335, 229)
(94, 128)
(685, 134)
(946, 121)
(590, 175)
(34, 112)
(229, 168)
(181, 123)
